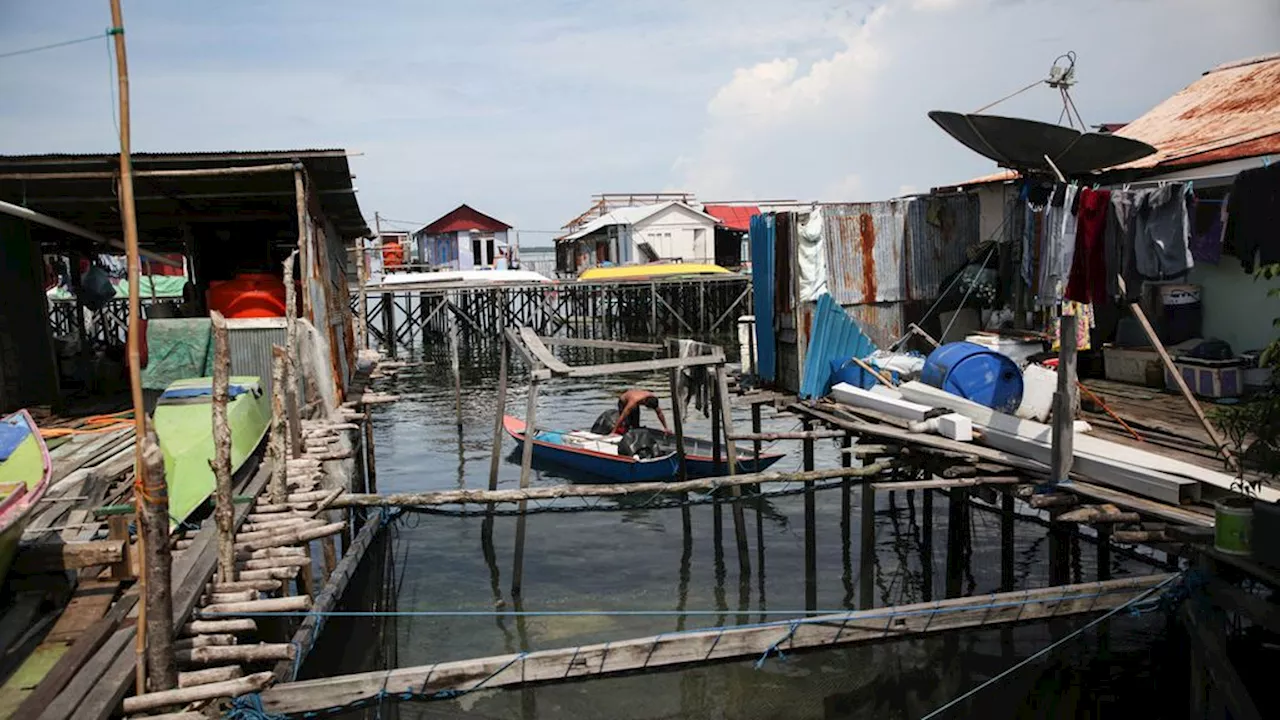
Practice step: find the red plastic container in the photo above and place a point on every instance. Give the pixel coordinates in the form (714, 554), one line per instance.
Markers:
(250, 295)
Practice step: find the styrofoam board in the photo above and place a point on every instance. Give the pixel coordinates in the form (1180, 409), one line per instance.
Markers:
(1124, 462)
(880, 402)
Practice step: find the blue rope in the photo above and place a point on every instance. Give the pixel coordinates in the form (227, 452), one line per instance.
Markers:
(1053, 646)
(776, 647)
(249, 707)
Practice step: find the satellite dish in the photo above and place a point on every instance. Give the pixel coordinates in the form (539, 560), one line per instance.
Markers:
(1022, 144)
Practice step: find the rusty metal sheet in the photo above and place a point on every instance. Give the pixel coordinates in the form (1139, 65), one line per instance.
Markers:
(940, 231)
(865, 249)
(882, 322)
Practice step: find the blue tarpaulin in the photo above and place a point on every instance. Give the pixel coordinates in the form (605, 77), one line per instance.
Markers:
(13, 430)
(763, 240)
(233, 392)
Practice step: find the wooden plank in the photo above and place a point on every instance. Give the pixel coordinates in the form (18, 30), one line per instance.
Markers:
(644, 366)
(1254, 608)
(1141, 505)
(682, 648)
(541, 352)
(110, 670)
(602, 344)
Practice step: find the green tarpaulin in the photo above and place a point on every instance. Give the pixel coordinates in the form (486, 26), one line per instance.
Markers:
(177, 348)
(166, 286)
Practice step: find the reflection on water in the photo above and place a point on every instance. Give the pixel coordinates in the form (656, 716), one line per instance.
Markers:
(679, 560)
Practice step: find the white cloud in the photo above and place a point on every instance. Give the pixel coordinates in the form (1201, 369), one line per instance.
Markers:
(854, 118)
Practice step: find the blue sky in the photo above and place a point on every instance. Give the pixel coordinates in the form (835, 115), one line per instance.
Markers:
(525, 109)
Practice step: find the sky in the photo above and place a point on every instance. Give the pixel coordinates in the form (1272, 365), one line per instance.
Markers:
(524, 109)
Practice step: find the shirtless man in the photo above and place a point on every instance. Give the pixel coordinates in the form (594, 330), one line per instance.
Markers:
(627, 416)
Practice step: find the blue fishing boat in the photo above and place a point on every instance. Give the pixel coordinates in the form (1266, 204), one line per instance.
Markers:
(597, 454)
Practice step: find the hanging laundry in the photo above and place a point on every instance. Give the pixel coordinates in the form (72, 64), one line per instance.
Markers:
(1088, 283)
(1162, 246)
(1058, 245)
(1084, 324)
(1118, 240)
(1255, 215)
(1210, 224)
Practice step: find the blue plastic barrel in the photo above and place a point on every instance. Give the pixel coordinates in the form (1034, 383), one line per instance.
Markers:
(975, 373)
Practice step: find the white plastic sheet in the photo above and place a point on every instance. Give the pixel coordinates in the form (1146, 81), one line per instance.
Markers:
(812, 259)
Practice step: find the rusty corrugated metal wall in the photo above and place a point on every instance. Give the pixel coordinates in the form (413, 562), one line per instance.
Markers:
(866, 251)
(940, 231)
(323, 267)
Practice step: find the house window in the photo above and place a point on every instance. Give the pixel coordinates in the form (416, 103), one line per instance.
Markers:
(482, 249)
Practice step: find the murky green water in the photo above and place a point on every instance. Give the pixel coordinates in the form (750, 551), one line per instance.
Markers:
(684, 562)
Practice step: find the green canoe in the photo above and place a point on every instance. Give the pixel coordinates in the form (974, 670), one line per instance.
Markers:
(184, 424)
(24, 476)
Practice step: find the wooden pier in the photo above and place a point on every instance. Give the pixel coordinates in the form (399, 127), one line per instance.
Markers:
(403, 316)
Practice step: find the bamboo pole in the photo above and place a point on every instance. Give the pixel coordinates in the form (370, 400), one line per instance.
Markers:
(1063, 402)
(291, 342)
(362, 277)
(153, 521)
(224, 510)
(129, 222)
(278, 488)
(182, 696)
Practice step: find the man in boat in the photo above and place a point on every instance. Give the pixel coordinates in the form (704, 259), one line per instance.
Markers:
(627, 416)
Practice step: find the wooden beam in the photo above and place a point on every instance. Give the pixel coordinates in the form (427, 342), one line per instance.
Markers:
(51, 557)
(192, 172)
(584, 371)
(946, 483)
(482, 497)
(702, 646)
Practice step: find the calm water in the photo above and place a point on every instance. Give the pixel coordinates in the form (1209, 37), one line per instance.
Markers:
(676, 560)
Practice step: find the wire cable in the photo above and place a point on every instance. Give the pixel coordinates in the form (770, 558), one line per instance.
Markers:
(65, 43)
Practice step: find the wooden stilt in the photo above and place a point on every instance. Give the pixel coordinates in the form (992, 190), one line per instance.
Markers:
(526, 461)
(292, 413)
(731, 453)
(499, 412)
(153, 520)
(224, 510)
(957, 511)
(1006, 542)
(926, 544)
(457, 370)
(1104, 552)
(1064, 402)
(867, 545)
(362, 292)
(677, 422)
(810, 527)
(279, 487)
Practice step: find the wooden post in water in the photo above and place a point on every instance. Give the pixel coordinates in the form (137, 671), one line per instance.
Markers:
(1104, 551)
(1064, 403)
(153, 522)
(457, 370)
(677, 422)
(731, 453)
(278, 486)
(389, 324)
(291, 333)
(499, 412)
(810, 526)
(129, 224)
(926, 544)
(1006, 542)
(371, 465)
(526, 460)
(867, 548)
(957, 535)
(224, 511)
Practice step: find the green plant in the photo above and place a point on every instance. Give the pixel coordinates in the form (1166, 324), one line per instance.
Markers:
(1271, 355)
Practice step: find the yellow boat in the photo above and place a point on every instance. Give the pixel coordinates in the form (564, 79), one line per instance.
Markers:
(649, 271)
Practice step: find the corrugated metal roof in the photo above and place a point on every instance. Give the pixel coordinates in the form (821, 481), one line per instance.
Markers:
(733, 217)
(92, 203)
(940, 230)
(865, 243)
(1232, 111)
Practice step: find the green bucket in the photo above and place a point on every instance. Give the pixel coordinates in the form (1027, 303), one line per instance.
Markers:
(1233, 525)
